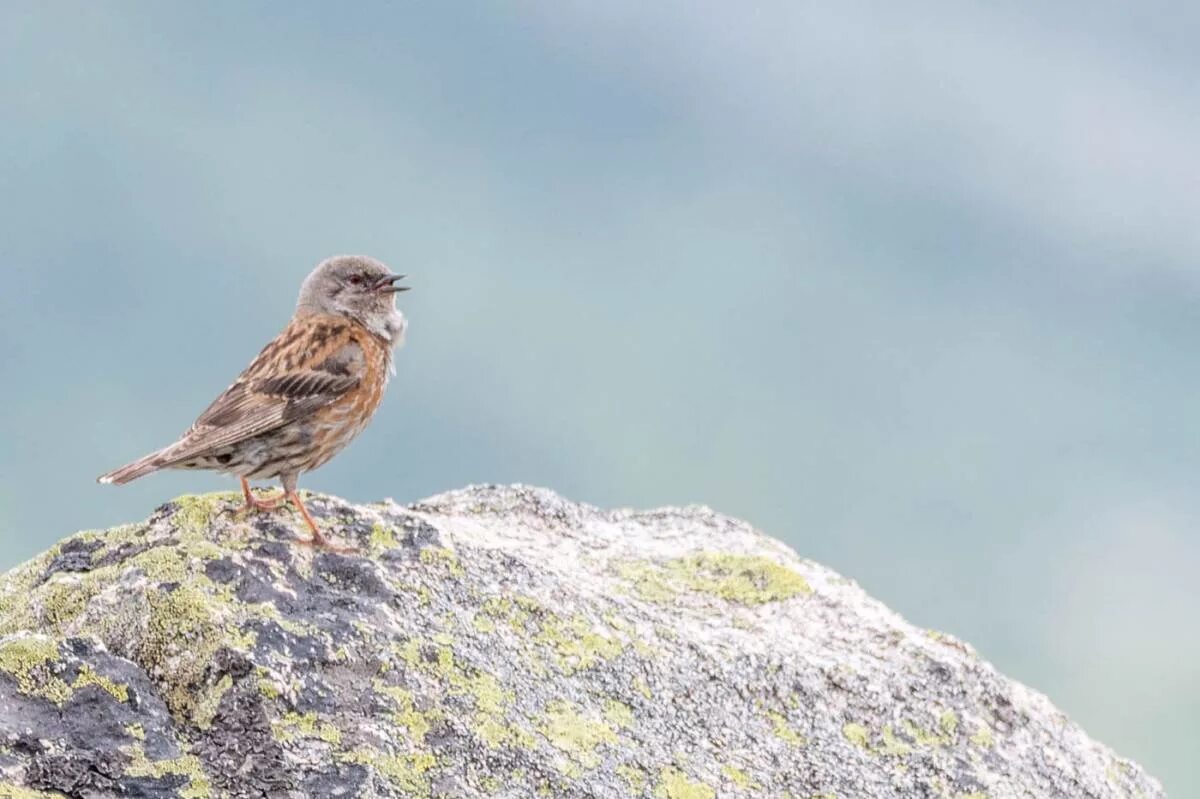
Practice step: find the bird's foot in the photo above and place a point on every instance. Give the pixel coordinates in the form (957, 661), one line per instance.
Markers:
(318, 541)
(253, 503)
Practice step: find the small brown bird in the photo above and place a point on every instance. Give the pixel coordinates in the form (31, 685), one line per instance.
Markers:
(306, 395)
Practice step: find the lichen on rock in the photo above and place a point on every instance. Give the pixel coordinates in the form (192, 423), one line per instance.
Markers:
(496, 641)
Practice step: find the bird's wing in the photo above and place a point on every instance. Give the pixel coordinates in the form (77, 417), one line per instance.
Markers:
(311, 364)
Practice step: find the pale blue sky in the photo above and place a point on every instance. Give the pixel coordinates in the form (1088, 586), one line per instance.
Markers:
(913, 287)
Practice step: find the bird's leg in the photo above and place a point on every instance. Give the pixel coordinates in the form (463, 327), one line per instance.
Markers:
(253, 503)
(318, 540)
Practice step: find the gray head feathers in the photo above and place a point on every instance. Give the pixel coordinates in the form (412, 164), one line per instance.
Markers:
(357, 287)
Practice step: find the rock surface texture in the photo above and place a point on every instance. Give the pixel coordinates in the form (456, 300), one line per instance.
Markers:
(499, 642)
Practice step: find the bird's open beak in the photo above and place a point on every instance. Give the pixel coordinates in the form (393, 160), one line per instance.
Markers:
(388, 285)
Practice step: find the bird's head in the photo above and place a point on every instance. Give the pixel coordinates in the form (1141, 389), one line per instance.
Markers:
(357, 287)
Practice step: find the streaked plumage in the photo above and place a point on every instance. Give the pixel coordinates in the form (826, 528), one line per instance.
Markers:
(307, 394)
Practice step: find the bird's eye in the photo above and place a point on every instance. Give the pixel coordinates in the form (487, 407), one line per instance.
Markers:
(356, 279)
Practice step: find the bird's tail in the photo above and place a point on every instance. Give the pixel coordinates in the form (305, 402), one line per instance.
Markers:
(139, 468)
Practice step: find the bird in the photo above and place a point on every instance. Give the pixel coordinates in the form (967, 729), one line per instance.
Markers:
(306, 395)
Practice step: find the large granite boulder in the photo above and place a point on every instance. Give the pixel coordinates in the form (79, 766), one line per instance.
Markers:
(500, 642)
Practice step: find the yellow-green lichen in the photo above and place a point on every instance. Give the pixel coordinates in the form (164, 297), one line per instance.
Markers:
(193, 512)
(444, 558)
(576, 642)
(204, 710)
(25, 659)
(491, 699)
(444, 667)
(184, 630)
(784, 731)
(982, 737)
(947, 725)
(408, 772)
(136, 731)
(54, 604)
(742, 579)
(294, 725)
(20, 656)
(298, 629)
(745, 579)
(88, 676)
(483, 624)
(383, 538)
(409, 651)
(111, 539)
(634, 777)
(523, 738)
(365, 631)
(575, 733)
(489, 696)
(618, 714)
(616, 622)
(414, 722)
(647, 580)
(61, 599)
(644, 650)
(491, 732)
(15, 588)
(892, 745)
(173, 563)
(186, 766)
(494, 733)
(674, 784)
(739, 778)
(515, 611)
(856, 734)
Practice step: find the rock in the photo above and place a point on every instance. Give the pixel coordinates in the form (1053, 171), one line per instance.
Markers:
(497, 641)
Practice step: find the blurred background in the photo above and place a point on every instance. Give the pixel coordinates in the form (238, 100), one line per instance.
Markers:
(914, 287)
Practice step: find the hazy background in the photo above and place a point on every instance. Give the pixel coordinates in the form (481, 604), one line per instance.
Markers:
(915, 287)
